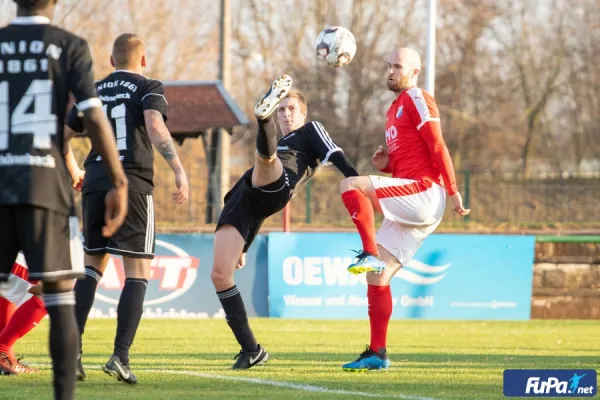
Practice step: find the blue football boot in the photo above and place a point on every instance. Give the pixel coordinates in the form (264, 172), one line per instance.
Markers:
(366, 262)
(369, 360)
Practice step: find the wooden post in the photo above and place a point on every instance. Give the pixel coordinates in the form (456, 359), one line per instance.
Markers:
(287, 220)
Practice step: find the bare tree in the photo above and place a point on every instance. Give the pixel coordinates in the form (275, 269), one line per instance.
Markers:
(580, 102)
(459, 78)
(538, 56)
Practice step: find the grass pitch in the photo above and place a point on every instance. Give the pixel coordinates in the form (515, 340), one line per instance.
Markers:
(190, 359)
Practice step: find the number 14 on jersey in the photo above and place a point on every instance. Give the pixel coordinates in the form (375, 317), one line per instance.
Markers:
(40, 123)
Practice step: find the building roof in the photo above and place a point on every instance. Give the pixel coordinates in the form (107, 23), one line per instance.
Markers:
(195, 106)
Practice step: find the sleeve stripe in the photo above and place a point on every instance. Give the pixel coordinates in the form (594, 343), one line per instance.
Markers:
(329, 153)
(89, 103)
(324, 135)
(427, 120)
(155, 94)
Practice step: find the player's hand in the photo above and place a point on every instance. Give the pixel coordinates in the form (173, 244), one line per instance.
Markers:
(242, 261)
(380, 158)
(457, 204)
(182, 192)
(37, 290)
(115, 210)
(77, 177)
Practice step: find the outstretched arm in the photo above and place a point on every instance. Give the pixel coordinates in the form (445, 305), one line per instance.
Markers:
(342, 163)
(327, 151)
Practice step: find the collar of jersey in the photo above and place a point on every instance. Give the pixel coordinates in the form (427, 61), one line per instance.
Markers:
(30, 20)
(404, 91)
(125, 70)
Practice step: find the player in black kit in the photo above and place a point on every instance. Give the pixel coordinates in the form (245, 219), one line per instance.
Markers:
(280, 168)
(39, 65)
(137, 108)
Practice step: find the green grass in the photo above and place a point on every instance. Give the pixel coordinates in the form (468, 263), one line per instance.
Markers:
(438, 359)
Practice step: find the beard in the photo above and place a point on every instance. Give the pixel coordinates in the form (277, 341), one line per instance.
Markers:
(399, 85)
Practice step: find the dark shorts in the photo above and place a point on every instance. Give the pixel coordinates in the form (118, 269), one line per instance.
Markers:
(49, 241)
(246, 207)
(134, 239)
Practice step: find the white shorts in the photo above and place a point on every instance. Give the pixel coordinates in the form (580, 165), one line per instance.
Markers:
(412, 210)
(16, 288)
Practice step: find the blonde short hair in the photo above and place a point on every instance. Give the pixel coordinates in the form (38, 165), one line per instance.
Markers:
(296, 94)
(127, 49)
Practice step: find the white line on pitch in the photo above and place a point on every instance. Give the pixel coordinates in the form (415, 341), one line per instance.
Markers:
(289, 385)
(258, 381)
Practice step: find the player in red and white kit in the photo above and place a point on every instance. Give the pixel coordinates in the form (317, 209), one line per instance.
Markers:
(412, 201)
(21, 309)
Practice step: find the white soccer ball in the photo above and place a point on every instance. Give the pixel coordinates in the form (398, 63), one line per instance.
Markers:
(336, 45)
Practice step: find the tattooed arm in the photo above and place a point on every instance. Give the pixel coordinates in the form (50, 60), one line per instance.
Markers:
(161, 139)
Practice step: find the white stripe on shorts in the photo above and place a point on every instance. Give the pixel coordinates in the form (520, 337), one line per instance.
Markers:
(76, 246)
(149, 224)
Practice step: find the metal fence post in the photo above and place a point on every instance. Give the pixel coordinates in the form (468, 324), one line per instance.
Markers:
(467, 199)
(308, 202)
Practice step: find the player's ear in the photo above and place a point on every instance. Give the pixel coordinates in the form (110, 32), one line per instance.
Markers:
(112, 61)
(144, 61)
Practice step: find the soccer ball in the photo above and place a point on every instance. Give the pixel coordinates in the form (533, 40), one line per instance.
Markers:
(336, 45)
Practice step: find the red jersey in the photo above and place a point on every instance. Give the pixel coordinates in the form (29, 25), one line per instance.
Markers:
(414, 140)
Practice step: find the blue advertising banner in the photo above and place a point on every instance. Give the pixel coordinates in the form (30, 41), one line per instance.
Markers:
(481, 277)
(180, 285)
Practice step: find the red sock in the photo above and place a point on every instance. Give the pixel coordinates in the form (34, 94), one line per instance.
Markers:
(363, 216)
(380, 312)
(6, 311)
(24, 319)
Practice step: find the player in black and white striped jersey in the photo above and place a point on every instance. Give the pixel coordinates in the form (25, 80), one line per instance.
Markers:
(280, 168)
(137, 109)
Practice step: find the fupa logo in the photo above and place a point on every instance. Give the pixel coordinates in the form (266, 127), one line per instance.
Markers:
(170, 276)
(550, 383)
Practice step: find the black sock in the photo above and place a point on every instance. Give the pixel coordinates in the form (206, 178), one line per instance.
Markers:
(266, 138)
(129, 314)
(85, 292)
(64, 346)
(235, 313)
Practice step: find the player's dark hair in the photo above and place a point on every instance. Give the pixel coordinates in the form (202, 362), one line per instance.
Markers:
(32, 4)
(126, 48)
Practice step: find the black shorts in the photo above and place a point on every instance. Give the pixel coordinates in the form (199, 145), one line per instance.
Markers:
(49, 241)
(134, 239)
(246, 207)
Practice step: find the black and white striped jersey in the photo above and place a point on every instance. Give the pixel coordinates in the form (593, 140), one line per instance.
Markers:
(39, 65)
(304, 150)
(125, 96)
